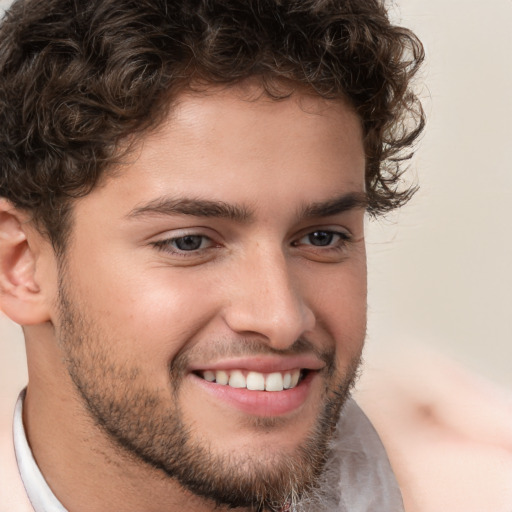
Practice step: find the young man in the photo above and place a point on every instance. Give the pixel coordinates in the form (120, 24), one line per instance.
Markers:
(183, 191)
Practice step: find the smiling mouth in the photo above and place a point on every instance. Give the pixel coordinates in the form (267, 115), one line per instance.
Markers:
(255, 381)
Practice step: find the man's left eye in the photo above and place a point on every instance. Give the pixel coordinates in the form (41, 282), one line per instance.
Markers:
(323, 238)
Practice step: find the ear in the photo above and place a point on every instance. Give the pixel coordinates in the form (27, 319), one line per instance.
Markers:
(21, 298)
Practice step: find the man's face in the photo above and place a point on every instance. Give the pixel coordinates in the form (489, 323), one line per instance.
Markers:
(227, 254)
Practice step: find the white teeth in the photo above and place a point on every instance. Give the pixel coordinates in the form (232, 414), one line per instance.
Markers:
(274, 382)
(254, 381)
(209, 376)
(237, 379)
(221, 377)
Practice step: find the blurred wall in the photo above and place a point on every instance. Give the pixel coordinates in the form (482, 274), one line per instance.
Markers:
(440, 269)
(441, 273)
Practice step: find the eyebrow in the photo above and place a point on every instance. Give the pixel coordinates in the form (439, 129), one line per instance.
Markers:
(241, 213)
(193, 207)
(346, 202)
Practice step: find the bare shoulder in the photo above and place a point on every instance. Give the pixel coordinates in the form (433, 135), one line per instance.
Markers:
(448, 432)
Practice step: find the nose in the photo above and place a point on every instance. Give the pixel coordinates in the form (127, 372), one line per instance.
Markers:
(266, 301)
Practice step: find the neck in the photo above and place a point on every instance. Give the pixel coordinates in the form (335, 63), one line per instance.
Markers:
(88, 473)
(84, 468)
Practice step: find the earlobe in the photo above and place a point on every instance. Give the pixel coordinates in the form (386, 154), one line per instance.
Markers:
(21, 298)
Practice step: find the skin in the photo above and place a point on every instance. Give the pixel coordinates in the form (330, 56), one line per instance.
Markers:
(128, 314)
(447, 430)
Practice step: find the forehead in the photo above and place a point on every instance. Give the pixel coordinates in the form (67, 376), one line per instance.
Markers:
(237, 144)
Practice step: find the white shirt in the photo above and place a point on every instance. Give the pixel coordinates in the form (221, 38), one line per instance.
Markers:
(357, 478)
(39, 494)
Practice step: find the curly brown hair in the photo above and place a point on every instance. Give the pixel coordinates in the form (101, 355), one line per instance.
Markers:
(79, 76)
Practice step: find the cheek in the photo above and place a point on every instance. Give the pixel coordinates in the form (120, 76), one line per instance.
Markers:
(146, 317)
(341, 309)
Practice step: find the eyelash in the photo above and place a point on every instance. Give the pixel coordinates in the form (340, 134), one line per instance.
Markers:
(344, 239)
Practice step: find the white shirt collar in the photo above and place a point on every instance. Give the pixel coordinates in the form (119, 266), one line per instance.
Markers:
(38, 492)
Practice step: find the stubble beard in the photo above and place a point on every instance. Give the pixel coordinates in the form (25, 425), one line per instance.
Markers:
(148, 427)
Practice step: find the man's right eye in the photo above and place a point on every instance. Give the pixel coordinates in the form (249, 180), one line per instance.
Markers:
(189, 242)
(184, 244)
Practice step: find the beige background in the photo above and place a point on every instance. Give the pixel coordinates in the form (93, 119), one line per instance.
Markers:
(443, 274)
(440, 271)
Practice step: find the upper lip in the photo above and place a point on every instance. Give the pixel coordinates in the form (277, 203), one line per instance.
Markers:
(262, 364)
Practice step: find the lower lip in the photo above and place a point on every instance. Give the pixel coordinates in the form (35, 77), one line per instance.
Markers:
(260, 403)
